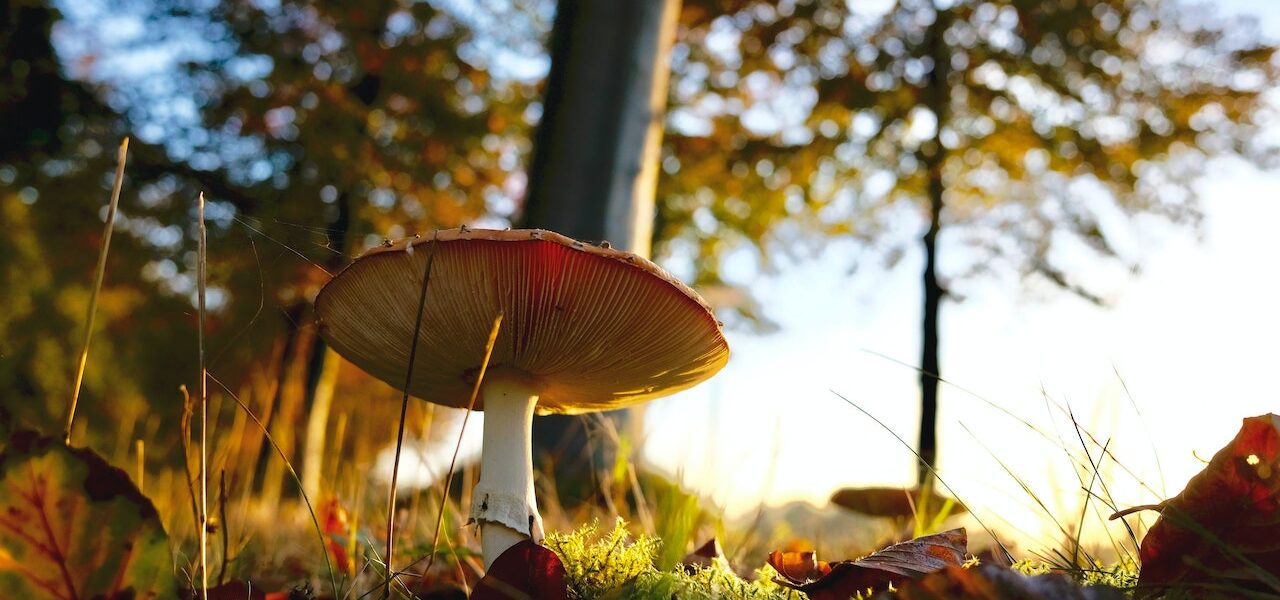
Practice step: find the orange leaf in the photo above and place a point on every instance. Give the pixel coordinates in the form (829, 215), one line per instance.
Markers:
(337, 528)
(892, 565)
(1224, 528)
(798, 568)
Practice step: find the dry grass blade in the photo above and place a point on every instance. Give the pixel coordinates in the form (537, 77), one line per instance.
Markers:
(932, 471)
(97, 286)
(188, 409)
(404, 410)
(448, 481)
(201, 262)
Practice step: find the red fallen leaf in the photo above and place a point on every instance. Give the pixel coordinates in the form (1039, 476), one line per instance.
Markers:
(991, 582)
(1224, 528)
(703, 556)
(525, 570)
(337, 527)
(892, 565)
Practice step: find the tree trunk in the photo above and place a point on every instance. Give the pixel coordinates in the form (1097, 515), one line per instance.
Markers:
(937, 98)
(318, 423)
(595, 161)
(324, 377)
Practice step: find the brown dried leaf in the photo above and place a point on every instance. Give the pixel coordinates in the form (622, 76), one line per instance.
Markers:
(892, 565)
(703, 556)
(991, 582)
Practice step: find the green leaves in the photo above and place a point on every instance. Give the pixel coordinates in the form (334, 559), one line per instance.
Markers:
(73, 527)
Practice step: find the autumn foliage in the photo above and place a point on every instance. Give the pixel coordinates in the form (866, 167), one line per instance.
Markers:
(1223, 531)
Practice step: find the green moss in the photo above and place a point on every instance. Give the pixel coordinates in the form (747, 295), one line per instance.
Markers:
(612, 565)
(1122, 575)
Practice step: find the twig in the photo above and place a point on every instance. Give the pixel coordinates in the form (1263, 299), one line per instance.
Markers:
(97, 286)
(188, 409)
(201, 262)
(404, 409)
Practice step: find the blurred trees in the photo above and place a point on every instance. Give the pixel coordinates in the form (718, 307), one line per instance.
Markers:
(1017, 134)
(55, 162)
(315, 129)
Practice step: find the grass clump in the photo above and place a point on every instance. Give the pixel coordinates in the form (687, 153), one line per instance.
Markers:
(612, 565)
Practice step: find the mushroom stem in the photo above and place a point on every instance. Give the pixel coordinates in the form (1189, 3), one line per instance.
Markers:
(503, 502)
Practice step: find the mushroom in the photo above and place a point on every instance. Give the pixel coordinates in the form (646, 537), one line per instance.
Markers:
(896, 503)
(585, 328)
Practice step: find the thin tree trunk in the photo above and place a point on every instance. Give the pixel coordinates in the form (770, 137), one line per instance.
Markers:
(290, 403)
(325, 376)
(937, 98)
(318, 423)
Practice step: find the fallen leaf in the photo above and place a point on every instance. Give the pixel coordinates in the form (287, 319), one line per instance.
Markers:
(1224, 528)
(992, 582)
(73, 526)
(337, 530)
(525, 571)
(798, 568)
(892, 565)
(704, 556)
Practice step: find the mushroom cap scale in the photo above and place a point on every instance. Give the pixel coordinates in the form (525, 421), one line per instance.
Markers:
(589, 328)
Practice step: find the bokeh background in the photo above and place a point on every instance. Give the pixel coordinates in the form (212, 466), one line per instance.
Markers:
(1107, 167)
